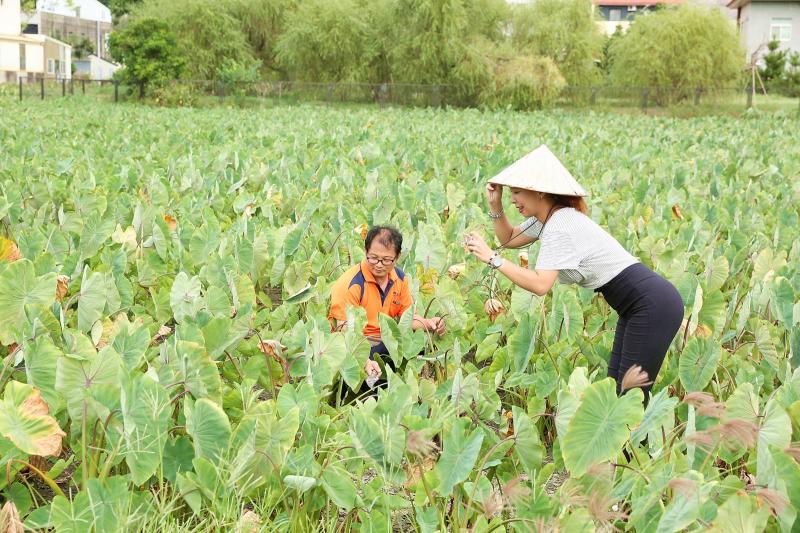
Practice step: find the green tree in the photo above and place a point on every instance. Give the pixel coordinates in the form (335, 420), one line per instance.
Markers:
(774, 63)
(563, 30)
(328, 40)
(206, 34)
(676, 50)
(81, 46)
(148, 51)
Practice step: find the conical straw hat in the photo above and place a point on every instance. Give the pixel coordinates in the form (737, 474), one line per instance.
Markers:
(540, 171)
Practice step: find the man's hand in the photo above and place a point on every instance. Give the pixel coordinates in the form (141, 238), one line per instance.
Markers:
(436, 325)
(373, 369)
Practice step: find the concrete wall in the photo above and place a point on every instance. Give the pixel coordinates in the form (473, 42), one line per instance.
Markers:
(85, 9)
(10, 22)
(755, 20)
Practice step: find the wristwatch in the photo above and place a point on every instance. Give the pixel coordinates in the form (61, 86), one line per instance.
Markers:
(496, 262)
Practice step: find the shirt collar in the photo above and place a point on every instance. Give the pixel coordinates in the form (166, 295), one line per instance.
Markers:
(368, 273)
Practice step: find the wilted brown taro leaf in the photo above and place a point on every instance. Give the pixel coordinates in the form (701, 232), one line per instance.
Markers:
(493, 308)
(523, 259)
(62, 285)
(676, 212)
(456, 270)
(10, 521)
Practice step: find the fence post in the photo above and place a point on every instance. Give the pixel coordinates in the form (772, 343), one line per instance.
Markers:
(141, 90)
(330, 92)
(41, 86)
(437, 96)
(645, 93)
(750, 97)
(222, 91)
(697, 93)
(20, 89)
(71, 86)
(83, 86)
(63, 86)
(116, 91)
(593, 98)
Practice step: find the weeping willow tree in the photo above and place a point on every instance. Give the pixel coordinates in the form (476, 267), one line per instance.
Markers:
(262, 22)
(677, 50)
(563, 30)
(328, 40)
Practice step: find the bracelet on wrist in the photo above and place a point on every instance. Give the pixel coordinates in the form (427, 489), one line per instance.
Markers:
(495, 215)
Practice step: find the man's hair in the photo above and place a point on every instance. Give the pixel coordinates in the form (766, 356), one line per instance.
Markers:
(387, 236)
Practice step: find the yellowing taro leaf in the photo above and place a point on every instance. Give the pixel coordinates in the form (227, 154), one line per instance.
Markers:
(361, 229)
(62, 283)
(359, 157)
(127, 237)
(676, 212)
(9, 251)
(171, 222)
(428, 281)
(523, 259)
(25, 421)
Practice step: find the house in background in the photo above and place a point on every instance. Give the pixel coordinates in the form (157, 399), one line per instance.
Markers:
(69, 19)
(29, 57)
(762, 22)
(614, 13)
(94, 68)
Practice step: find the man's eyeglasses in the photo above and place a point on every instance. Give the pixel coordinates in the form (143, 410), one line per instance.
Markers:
(384, 261)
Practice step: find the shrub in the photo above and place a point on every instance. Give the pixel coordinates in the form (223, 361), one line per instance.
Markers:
(524, 83)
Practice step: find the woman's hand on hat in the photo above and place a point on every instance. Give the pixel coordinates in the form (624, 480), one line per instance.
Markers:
(494, 193)
(478, 247)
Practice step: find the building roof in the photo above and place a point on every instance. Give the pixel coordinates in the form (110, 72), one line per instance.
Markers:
(634, 2)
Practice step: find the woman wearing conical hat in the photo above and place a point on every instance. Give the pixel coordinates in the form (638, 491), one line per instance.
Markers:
(574, 249)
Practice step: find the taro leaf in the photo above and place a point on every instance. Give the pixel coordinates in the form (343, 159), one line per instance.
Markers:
(184, 297)
(209, 427)
(522, 343)
(19, 286)
(569, 399)
(713, 311)
(275, 436)
(527, 446)
(191, 364)
(795, 346)
(102, 506)
(600, 425)
(41, 357)
(146, 415)
(302, 295)
(302, 397)
(131, 343)
(775, 430)
(698, 362)
(328, 354)
(660, 413)
(784, 301)
(84, 375)
(96, 231)
(740, 513)
(294, 237)
(458, 456)
(339, 487)
(717, 273)
(300, 483)
(25, 421)
(92, 299)
(178, 455)
(684, 509)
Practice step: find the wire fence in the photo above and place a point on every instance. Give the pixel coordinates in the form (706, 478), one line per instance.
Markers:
(650, 100)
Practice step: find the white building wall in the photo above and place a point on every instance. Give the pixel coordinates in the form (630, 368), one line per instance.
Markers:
(85, 9)
(10, 22)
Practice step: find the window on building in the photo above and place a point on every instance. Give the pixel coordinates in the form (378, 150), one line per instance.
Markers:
(781, 29)
(51, 66)
(615, 15)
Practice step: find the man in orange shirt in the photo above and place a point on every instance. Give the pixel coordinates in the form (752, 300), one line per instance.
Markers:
(379, 287)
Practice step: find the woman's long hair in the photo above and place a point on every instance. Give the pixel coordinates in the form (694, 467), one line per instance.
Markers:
(575, 202)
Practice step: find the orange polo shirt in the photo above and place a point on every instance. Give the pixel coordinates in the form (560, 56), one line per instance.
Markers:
(358, 287)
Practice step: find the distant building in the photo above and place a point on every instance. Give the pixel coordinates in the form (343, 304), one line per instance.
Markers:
(620, 13)
(29, 57)
(94, 68)
(68, 19)
(762, 22)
